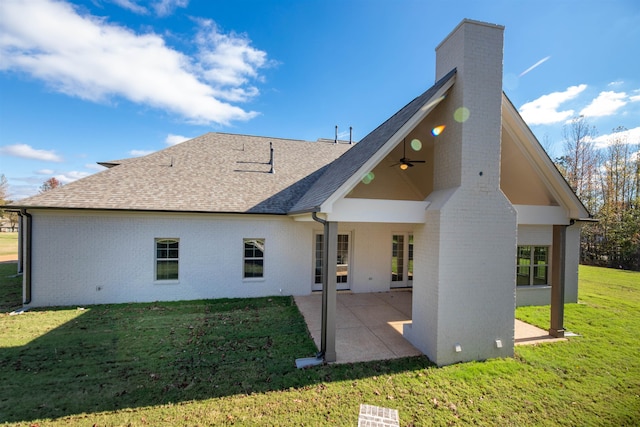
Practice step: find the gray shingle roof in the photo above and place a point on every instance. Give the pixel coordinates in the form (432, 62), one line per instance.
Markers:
(228, 173)
(215, 172)
(342, 169)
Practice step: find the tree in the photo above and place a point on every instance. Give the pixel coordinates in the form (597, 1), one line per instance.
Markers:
(619, 214)
(49, 184)
(607, 181)
(4, 191)
(580, 160)
(579, 165)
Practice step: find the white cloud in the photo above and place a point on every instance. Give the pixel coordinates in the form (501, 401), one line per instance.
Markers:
(45, 172)
(71, 176)
(131, 6)
(139, 153)
(629, 136)
(544, 110)
(94, 167)
(175, 139)
(21, 191)
(87, 57)
(27, 152)
(166, 7)
(228, 62)
(161, 7)
(606, 104)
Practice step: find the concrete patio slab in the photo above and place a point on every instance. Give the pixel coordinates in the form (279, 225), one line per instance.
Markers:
(369, 326)
(361, 345)
(526, 334)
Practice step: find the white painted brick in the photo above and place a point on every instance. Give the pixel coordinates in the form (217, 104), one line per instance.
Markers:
(466, 291)
(74, 254)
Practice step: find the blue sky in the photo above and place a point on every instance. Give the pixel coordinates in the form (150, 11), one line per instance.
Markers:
(98, 80)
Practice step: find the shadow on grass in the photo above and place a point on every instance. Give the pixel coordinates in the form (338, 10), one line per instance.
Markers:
(134, 355)
(10, 287)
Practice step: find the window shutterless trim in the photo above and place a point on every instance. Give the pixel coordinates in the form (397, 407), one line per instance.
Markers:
(167, 254)
(535, 254)
(253, 255)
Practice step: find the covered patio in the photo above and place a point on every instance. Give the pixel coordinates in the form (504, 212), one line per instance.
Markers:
(369, 325)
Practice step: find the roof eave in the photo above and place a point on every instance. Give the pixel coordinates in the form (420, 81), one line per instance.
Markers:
(17, 208)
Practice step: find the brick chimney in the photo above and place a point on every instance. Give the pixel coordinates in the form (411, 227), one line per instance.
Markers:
(464, 279)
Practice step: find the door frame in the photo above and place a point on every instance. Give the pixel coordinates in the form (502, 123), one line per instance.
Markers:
(340, 286)
(407, 272)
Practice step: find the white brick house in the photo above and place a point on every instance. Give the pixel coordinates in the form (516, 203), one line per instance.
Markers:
(452, 196)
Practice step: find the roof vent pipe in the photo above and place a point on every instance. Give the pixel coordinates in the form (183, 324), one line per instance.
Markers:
(272, 170)
(336, 140)
(350, 135)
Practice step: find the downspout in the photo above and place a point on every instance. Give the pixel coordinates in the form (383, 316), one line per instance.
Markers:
(27, 256)
(323, 327)
(319, 358)
(20, 242)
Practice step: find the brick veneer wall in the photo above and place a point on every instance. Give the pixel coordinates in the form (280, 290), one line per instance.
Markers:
(465, 254)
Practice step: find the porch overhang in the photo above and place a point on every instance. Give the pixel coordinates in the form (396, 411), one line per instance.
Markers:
(381, 211)
(542, 215)
(371, 210)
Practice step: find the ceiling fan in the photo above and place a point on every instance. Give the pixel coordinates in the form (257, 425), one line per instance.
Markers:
(405, 162)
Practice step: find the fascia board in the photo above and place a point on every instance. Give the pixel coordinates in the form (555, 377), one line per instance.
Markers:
(379, 211)
(395, 139)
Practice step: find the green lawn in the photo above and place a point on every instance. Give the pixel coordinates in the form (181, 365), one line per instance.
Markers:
(8, 243)
(231, 362)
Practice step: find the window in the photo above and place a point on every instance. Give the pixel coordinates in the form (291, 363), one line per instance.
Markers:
(402, 260)
(410, 261)
(532, 266)
(253, 258)
(342, 267)
(319, 252)
(167, 251)
(342, 261)
(397, 258)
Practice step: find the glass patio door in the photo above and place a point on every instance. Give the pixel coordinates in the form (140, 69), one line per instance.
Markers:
(342, 262)
(402, 260)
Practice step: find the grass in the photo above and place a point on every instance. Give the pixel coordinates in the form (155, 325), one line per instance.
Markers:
(8, 243)
(10, 293)
(231, 362)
